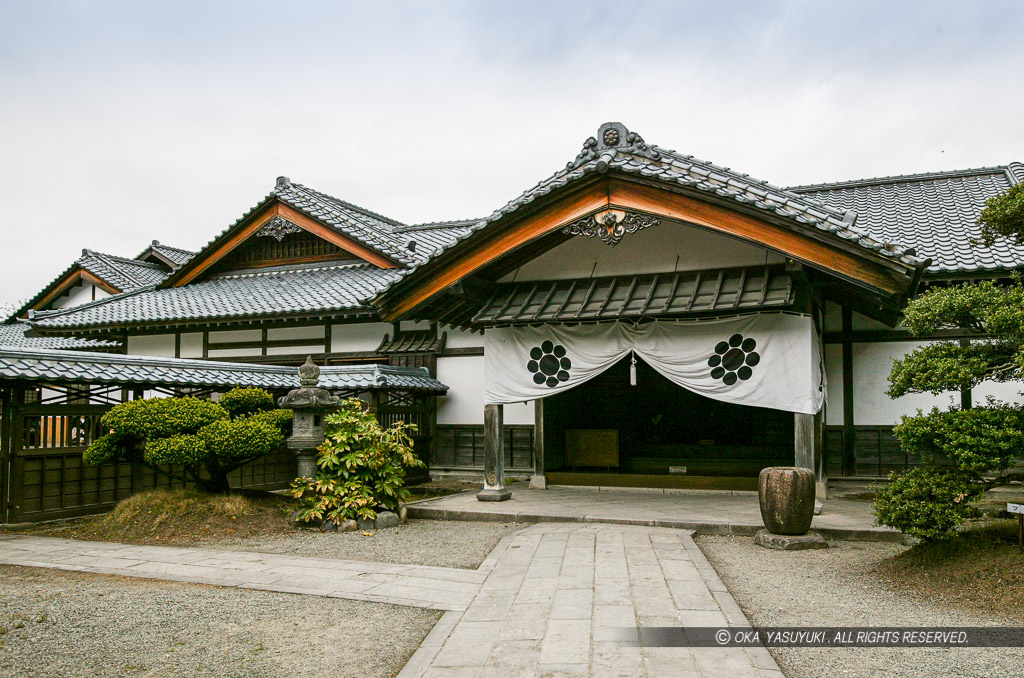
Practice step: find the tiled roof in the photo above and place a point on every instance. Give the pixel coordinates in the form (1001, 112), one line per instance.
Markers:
(27, 364)
(421, 341)
(124, 274)
(291, 290)
(935, 213)
(616, 148)
(120, 273)
(174, 255)
(643, 296)
(13, 334)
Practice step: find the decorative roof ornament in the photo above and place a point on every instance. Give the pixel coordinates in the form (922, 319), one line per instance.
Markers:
(611, 138)
(277, 228)
(611, 226)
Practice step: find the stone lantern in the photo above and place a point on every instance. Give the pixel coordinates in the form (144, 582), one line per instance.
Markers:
(308, 404)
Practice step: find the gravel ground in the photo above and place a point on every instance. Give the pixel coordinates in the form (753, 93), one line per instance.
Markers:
(418, 542)
(835, 587)
(74, 624)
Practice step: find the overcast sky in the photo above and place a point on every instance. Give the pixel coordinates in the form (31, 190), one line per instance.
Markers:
(121, 122)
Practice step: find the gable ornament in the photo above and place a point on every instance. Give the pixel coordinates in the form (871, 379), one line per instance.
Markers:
(610, 226)
(277, 228)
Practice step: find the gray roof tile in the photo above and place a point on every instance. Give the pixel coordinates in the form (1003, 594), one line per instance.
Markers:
(305, 290)
(13, 334)
(34, 364)
(935, 213)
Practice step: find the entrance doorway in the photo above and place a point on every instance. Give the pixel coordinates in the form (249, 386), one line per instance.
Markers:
(657, 428)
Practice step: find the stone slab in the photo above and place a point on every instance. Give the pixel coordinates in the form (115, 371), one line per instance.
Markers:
(790, 542)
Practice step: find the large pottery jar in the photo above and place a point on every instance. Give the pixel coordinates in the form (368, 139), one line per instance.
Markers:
(786, 494)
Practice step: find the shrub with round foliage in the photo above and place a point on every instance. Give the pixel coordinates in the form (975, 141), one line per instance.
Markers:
(191, 439)
(241, 438)
(240, 402)
(185, 449)
(927, 503)
(361, 467)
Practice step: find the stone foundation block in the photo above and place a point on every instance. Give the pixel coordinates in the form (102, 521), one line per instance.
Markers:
(790, 542)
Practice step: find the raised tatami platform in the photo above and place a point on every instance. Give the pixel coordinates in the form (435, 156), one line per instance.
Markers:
(705, 512)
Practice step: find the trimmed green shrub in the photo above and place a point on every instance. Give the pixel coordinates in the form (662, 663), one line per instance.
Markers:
(239, 402)
(927, 503)
(361, 467)
(203, 440)
(241, 438)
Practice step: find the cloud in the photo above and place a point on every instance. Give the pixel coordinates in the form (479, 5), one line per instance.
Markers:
(124, 122)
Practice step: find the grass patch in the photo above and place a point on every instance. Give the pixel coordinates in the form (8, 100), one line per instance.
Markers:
(181, 517)
(981, 568)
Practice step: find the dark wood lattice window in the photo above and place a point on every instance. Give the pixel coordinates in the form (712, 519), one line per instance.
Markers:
(261, 251)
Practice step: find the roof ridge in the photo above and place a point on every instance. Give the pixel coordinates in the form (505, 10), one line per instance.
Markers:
(436, 225)
(1015, 171)
(349, 205)
(903, 178)
(126, 260)
(53, 313)
(322, 266)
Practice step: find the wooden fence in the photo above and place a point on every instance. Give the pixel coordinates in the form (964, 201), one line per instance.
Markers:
(42, 476)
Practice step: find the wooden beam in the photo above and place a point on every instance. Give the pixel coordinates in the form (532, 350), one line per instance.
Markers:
(278, 209)
(551, 218)
(882, 278)
(72, 278)
(642, 198)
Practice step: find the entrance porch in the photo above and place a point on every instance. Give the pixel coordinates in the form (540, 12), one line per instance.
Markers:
(706, 512)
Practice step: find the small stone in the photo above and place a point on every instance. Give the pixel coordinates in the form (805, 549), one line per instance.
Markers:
(386, 519)
(790, 542)
(365, 524)
(403, 515)
(328, 526)
(350, 526)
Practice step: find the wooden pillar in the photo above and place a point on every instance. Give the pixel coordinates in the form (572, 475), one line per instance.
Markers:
(808, 448)
(849, 430)
(494, 456)
(539, 480)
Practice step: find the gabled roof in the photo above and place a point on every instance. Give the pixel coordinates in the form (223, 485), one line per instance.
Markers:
(294, 291)
(113, 273)
(39, 365)
(171, 257)
(936, 213)
(617, 150)
(393, 241)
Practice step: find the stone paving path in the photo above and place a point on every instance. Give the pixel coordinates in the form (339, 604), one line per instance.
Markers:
(554, 599)
(567, 600)
(438, 588)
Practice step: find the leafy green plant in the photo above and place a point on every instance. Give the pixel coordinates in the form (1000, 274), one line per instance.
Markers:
(979, 443)
(361, 467)
(927, 503)
(191, 439)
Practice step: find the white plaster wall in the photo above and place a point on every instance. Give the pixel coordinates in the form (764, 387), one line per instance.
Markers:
(192, 345)
(233, 352)
(358, 336)
(1007, 392)
(235, 335)
(281, 333)
(834, 375)
(461, 339)
(464, 404)
(667, 247)
(862, 322)
(833, 317)
(414, 325)
(77, 295)
(295, 350)
(871, 366)
(157, 345)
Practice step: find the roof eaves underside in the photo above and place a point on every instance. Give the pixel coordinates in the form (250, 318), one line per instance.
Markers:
(47, 366)
(663, 295)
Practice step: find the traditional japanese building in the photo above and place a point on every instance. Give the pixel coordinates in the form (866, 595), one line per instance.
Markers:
(640, 317)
